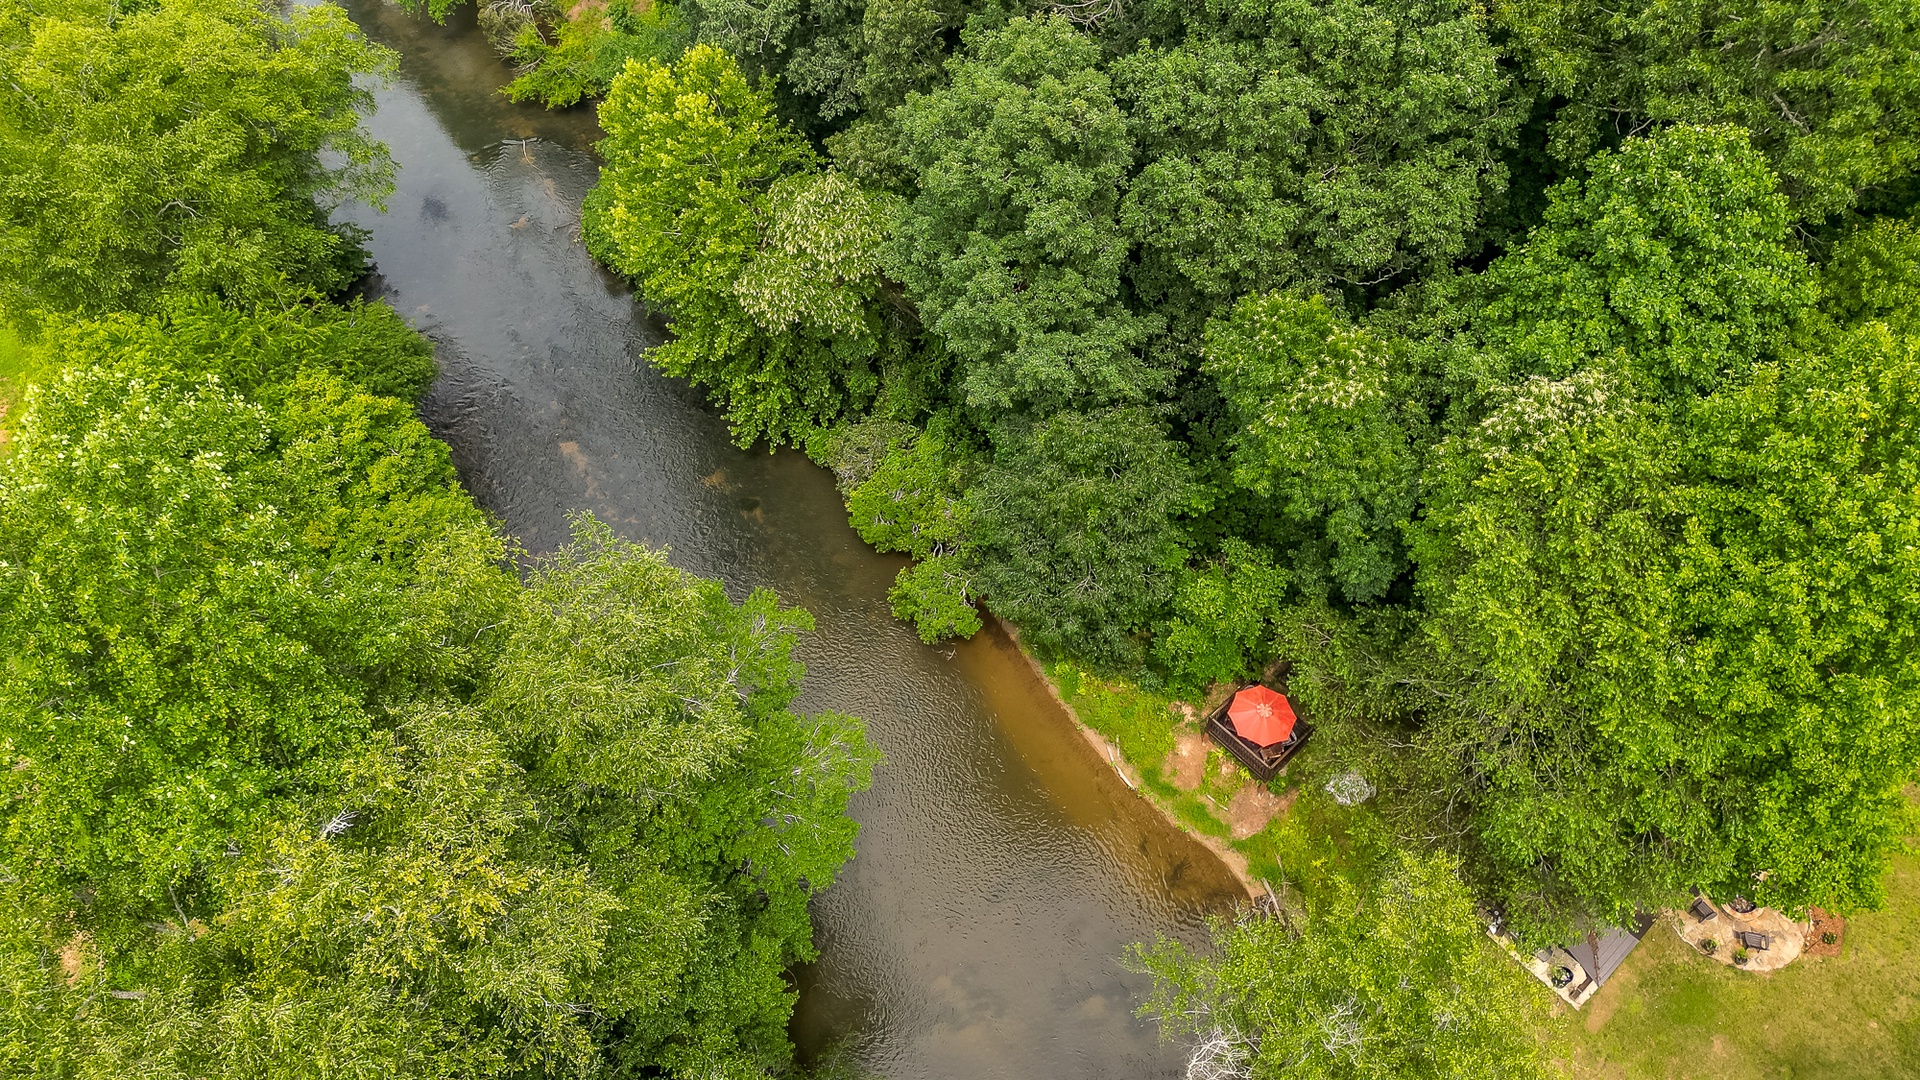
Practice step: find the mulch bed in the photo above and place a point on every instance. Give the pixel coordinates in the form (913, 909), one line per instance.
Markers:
(1825, 923)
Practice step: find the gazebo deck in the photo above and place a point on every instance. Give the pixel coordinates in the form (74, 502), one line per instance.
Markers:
(1264, 762)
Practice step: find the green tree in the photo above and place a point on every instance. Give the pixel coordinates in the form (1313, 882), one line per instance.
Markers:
(1873, 272)
(1799, 575)
(1012, 246)
(1671, 261)
(1828, 89)
(1322, 430)
(1544, 563)
(653, 715)
(1671, 652)
(1399, 982)
(258, 353)
(1307, 143)
(913, 502)
(590, 48)
(187, 146)
(1074, 522)
(203, 600)
(768, 269)
(1222, 621)
(303, 781)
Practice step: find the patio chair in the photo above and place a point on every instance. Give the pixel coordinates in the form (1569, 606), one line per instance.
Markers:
(1702, 910)
(1754, 940)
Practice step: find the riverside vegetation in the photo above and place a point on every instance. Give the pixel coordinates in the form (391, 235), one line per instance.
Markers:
(1538, 377)
(309, 771)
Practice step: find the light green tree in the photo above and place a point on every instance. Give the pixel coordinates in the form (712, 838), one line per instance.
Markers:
(184, 146)
(1398, 982)
(768, 269)
(304, 781)
(1873, 272)
(1223, 613)
(1544, 564)
(1799, 574)
(913, 502)
(1671, 261)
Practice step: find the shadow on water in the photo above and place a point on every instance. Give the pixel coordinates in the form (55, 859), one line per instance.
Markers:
(1002, 867)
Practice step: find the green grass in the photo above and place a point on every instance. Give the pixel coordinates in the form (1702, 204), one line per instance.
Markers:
(1669, 1012)
(1316, 840)
(1140, 723)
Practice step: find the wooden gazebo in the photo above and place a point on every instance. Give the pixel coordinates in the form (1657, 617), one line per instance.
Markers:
(1252, 713)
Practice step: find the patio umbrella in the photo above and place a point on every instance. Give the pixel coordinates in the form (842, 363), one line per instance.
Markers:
(1261, 716)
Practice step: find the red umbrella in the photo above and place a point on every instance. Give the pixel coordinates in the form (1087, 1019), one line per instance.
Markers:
(1261, 716)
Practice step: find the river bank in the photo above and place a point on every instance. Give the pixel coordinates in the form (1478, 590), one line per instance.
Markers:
(1236, 862)
(1002, 872)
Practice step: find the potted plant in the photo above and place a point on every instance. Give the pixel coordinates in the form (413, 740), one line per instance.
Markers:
(1709, 946)
(1740, 956)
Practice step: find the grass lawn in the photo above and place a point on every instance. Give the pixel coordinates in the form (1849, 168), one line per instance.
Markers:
(1669, 1012)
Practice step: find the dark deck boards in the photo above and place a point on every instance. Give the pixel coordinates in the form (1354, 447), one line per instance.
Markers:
(1263, 762)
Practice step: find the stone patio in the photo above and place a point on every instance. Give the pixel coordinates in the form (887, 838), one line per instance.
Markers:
(1786, 938)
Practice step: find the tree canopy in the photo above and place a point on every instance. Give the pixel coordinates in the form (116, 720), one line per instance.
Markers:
(299, 768)
(1524, 374)
(1400, 981)
(181, 147)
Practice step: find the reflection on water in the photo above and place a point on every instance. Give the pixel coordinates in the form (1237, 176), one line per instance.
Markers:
(1003, 868)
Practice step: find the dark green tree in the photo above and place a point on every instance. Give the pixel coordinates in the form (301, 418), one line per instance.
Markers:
(1012, 246)
(1222, 619)
(1075, 526)
(1829, 90)
(1309, 143)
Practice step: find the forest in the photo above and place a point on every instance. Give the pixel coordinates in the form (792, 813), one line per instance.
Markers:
(311, 770)
(1539, 378)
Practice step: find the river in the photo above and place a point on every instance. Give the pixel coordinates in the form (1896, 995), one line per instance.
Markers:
(1003, 868)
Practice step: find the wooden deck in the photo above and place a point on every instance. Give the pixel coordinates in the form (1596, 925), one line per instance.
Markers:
(1264, 762)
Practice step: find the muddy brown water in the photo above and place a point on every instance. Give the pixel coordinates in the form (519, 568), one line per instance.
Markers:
(1003, 868)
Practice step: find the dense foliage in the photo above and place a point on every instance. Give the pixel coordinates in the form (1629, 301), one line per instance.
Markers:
(1532, 377)
(180, 147)
(1538, 378)
(300, 768)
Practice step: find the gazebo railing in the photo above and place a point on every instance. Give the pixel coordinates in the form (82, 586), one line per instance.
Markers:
(1264, 762)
